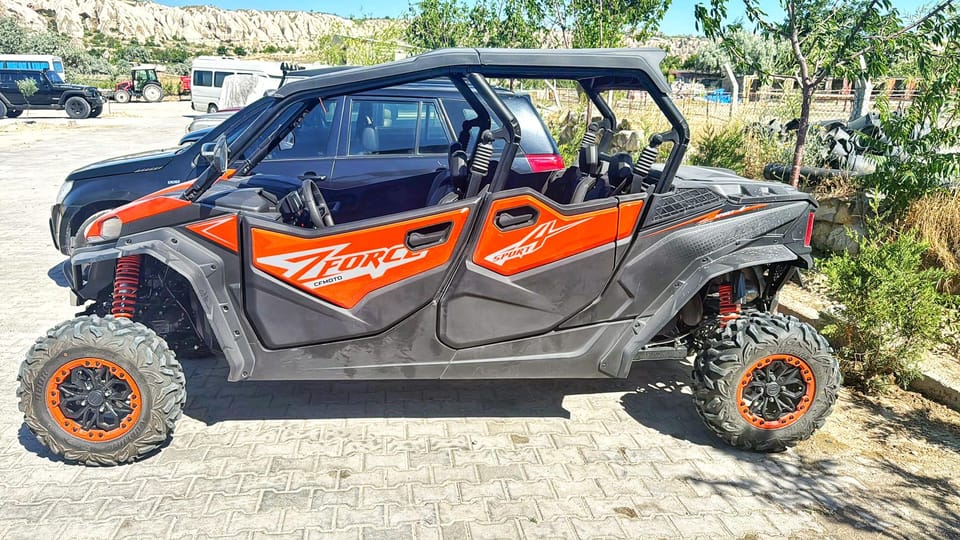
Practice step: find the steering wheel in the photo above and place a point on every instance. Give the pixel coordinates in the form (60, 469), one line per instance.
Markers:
(316, 205)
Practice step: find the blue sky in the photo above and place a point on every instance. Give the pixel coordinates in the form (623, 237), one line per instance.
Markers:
(678, 20)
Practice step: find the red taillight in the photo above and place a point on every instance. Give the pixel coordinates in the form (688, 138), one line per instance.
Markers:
(545, 162)
(807, 236)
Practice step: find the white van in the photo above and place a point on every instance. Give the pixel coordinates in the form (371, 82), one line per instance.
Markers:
(33, 62)
(208, 73)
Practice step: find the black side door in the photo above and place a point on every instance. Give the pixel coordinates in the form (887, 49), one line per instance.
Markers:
(46, 95)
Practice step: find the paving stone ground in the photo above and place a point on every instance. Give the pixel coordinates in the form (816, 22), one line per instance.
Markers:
(397, 459)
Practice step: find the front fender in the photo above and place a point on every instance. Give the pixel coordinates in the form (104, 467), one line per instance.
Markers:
(202, 268)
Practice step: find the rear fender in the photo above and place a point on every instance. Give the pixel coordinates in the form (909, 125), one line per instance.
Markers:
(203, 269)
(646, 326)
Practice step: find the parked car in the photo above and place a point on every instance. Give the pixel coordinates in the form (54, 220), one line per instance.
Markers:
(312, 150)
(313, 275)
(52, 93)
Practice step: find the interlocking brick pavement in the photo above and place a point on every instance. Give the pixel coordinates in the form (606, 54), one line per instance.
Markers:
(395, 459)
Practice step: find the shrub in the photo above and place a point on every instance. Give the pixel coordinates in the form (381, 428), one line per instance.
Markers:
(724, 148)
(936, 220)
(891, 308)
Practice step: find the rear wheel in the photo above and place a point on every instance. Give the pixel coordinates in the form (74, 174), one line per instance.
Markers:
(77, 108)
(101, 391)
(13, 113)
(121, 96)
(765, 382)
(152, 93)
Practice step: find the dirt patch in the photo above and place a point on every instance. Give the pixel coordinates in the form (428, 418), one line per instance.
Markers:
(905, 451)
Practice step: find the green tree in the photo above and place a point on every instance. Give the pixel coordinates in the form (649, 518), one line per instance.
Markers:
(438, 24)
(828, 38)
(758, 53)
(27, 87)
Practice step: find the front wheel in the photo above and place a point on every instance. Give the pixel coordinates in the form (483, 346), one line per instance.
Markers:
(77, 108)
(95, 112)
(212, 108)
(121, 96)
(765, 382)
(101, 391)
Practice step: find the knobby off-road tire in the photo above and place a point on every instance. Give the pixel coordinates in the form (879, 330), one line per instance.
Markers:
(747, 359)
(144, 382)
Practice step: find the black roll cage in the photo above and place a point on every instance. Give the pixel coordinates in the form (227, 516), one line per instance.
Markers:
(595, 70)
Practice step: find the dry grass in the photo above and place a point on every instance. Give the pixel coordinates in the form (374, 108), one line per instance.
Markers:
(936, 218)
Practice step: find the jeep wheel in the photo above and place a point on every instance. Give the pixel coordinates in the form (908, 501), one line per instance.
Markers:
(95, 112)
(765, 382)
(121, 96)
(152, 93)
(101, 391)
(77, 108)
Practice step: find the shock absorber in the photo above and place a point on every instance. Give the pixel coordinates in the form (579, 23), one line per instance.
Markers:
(729, 308)
(126, 283)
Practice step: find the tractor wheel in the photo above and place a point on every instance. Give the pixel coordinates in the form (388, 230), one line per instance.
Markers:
(95, 112)
(101, 391)
(765, 382)
(77, 108)
(121, 96)
(152, 93)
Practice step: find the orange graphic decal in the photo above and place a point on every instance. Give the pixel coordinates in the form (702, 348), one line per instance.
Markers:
(711, 216)
(220, 230)
(344, 268)
(629, 215)
(548, 238)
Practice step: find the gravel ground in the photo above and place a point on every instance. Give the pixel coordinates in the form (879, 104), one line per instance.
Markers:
(567, 459)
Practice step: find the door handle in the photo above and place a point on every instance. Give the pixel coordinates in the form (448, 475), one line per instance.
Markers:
(433, 235)
(515, 218)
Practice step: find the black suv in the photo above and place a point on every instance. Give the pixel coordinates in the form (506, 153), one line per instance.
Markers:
(407, 129)
(52, 93)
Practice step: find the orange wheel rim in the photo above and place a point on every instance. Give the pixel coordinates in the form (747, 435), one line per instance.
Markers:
(776, 391)
(93, 399)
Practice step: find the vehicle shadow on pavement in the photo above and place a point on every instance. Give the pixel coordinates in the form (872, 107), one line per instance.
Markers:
(655, 395)
(57, 273)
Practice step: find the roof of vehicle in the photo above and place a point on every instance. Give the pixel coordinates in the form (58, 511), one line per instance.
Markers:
(534, 63)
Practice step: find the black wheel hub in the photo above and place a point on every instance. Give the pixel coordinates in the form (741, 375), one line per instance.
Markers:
(775, 390)
(95, 398)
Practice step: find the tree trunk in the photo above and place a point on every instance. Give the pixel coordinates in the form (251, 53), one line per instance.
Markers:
(803, 125)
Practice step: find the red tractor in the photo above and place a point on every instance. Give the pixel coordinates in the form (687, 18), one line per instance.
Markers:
(143, 83)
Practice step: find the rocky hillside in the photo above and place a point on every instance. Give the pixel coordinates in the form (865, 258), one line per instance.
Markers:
(207, 25)
(197, 24)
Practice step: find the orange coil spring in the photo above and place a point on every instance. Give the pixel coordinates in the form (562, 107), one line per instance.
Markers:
(126, 283)
(728, 309)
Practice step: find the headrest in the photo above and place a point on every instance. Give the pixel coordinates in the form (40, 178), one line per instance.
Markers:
(621, 168)
(370, 140)
(589, 159)
(457, 163)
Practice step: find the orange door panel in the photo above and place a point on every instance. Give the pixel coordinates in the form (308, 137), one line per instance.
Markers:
(344, 268)
(521, 233)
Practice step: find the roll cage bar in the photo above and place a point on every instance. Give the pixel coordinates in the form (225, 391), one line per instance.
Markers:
(595, 70)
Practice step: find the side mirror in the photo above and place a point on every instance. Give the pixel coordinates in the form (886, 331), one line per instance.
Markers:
(216, 154)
